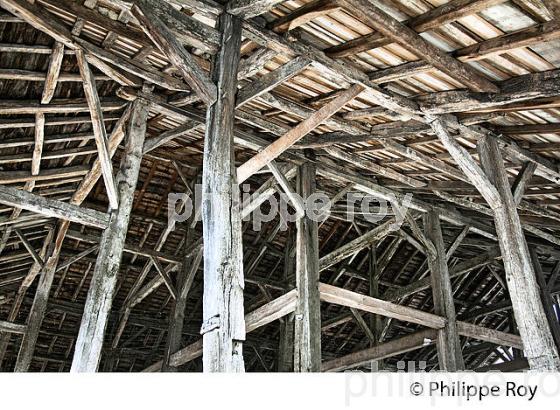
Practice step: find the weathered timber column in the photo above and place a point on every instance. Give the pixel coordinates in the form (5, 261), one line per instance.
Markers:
(223, 326)
(448, 347)
(376, 321)
(307, 329)
(100, 296)
(286, 344)
(546, 297)
(538, 343)
(185, 280)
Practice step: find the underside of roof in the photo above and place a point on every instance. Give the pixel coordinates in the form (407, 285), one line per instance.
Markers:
(482, 68)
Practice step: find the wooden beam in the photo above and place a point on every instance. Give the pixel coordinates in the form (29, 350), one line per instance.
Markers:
(339, 296)
(448, 346)
(470, 168)
(53, 73)
(529, 314)
(10, 327)
(89, 343)
(165, 277)
(56, 106)
(414, 43)
(395, 347)
(522, 180)
(99, 131)
(307, 330)
(522, 88)
(270, 80)
(373, 167)
(295, 134)
(304, 14)
(185, 280)
(295, 199)
(356, 245)
(166, 41)
(259, 317)
(546, 297)
(223, 328)
(251, 8)
(52, 208)
(434, 18)
(39, 306)
(30, 248)
(461, 268)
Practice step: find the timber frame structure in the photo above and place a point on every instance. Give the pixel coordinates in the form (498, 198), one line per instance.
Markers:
(449, 110)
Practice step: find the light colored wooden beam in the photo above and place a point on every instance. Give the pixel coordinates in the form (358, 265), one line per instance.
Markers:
(52, 208)
(251, 8)
(88, 346)
(307, 324)
(529, 314)
(295, 134)
(166, 41)
(99, 131)
(223, 328)
(259, 317)
(391, 348)
(448, 346)
(53, 73)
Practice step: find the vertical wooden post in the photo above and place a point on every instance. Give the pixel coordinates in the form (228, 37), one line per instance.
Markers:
(522, 285)
(376, 321)
(286, 345)
(546, 297)
(448, 347)
(100, 296)
(307, 330)
(223, 326)
(184, 283)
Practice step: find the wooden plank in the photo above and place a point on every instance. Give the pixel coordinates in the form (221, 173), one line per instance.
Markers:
(295, 134)
(414, 43)
(89, 343)
(99, 131)
(52, 208)
(307, 325)
(53, 73)
(157, 31)
(448, 346)
(223, 328)
(529, 314)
